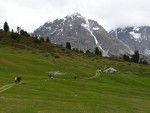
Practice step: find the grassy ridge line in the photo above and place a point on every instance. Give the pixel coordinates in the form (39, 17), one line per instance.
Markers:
(125, 92)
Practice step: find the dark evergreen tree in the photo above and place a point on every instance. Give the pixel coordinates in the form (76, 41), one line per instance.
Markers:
(87, 51)
(24, 33)
(81, 51)
(135, 57)
(100, 53)
(143, 60)
(74, 49)
(126, 57)
(15, 35)
(35, 37)
(48, 40)
(97, 51)
(6, 27)
(77, 50)
(42, 39)
(68, 45)
(36, 40)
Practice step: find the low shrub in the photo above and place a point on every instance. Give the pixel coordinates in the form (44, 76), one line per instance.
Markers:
(15, 36)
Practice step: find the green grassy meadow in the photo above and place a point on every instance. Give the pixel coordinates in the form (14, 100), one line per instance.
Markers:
(127, 91)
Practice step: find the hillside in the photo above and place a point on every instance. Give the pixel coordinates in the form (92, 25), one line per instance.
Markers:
(127, 91)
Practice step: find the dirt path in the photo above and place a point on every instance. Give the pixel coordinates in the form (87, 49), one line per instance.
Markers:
(6, 87)
(95, 76)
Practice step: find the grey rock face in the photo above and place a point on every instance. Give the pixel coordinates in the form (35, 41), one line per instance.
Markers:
(137, 38)
(82, 33)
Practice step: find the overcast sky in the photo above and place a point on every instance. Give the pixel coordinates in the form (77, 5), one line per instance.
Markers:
(30, 14)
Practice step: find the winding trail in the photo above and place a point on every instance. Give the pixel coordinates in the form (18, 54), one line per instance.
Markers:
(6, 87)
(95, 76)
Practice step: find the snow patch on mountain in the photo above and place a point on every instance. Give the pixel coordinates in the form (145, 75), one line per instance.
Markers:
(87, 27)
(53, 32)
(51, 21)
(74, 15)
(95, 28)
(135, 35)
(116, 34)
(136, 28)
(137, 38)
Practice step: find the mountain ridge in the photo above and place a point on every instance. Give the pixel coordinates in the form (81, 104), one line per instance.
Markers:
(82, 33)
(136, 37)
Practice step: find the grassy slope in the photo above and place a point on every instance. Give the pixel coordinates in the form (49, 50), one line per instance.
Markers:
(122, 92)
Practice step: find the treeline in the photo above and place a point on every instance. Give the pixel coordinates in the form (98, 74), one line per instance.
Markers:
(136, 58)
(20, 32)
(15, 35)
(96, 50)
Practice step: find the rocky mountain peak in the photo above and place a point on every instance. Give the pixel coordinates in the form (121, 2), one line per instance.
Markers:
(74, 15)
(82, 33)
(137, 37)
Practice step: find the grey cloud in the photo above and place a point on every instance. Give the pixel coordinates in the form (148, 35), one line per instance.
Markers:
(109, 13)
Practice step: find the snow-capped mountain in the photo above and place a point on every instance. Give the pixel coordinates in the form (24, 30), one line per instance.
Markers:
(137, 38)
(82, 33)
